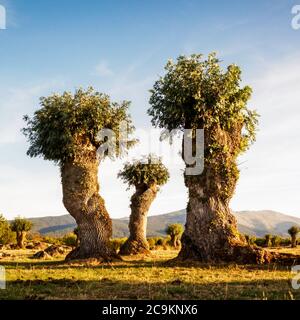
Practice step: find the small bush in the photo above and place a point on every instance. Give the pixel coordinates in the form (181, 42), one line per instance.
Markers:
(160, 241)
(70, 240)
(152, 243)
(285, 242)
(117, 243)
(52, 240)
(260, 242)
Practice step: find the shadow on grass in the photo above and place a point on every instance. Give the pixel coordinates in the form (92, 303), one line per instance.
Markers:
(136, 264)
(121, 289)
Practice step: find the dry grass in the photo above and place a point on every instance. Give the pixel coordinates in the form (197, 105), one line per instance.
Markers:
(149, 277)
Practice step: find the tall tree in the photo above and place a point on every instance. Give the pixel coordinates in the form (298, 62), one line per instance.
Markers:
(146, 175)
(196, 93)
(66, 130)
(293, 232)
(21, 226)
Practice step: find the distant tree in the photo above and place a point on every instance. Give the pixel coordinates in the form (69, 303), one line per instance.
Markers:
(197, 93)
(21, 226)
(268, 242)
(66, 130)
(250, 239)
(293, 232)
(276, 241)
(146, 175)
(6, 234)
(175, 231)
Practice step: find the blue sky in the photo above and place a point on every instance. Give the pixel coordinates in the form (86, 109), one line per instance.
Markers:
(121, 47)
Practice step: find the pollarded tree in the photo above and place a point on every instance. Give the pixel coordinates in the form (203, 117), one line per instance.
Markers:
(293, 232)
(196, 93)
(66, 130)
(6, 234)
(21, 226)
(146, 175)
(175, 231)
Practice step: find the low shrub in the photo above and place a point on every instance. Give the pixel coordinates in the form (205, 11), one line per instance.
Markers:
(152, 243)
(117, 243)
(70, 240)
(52, 240)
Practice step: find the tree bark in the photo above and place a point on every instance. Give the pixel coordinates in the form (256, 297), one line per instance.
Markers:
(21, 236)
(82, 200)
(211, 233)
(140, 203)
(294, 241)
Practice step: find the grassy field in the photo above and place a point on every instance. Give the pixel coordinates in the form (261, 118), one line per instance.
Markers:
(148, 277)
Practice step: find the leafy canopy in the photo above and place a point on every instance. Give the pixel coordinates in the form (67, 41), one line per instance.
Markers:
(21, 225)
(293, 231)
(148, 171)
(6, 234)
(196, 93)
(64, 121)
(175, 230)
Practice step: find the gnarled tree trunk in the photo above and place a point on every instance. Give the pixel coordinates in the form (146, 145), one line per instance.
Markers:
(211, 233)
(21, 236)
(82, 200)
(294, 241)
(175, 241)
(140, 203)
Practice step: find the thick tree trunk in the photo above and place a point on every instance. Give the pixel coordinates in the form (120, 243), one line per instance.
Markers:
(82, 200)
(140, 203)
(211, 233)
(21, 236)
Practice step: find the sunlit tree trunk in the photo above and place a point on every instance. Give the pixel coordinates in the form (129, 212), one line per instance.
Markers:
(82, 200)
(140, 203)
(21, 237)
(211, 233)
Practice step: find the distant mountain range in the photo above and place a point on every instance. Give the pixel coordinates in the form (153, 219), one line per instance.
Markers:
(257, 223)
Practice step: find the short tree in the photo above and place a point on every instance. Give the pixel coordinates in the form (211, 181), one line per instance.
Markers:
(175, 231)
(293, 232)
(276, 241)
(66, 130)
(146, 175)
(21, 226)
(268, 242)
(197, 93)
(6, 234)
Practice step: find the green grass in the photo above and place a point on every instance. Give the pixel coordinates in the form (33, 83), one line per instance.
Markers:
(142, 278)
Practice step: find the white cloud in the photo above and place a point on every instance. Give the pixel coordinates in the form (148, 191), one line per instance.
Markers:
(102, 70)
(15, 103)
